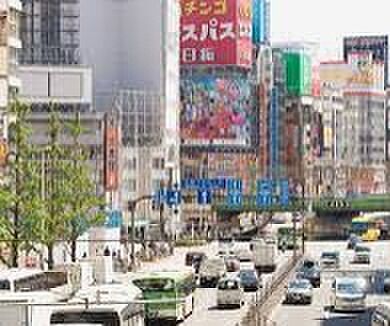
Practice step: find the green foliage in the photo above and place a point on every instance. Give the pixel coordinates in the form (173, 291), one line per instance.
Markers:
(19, 193)
(84, 203)
(47, 194)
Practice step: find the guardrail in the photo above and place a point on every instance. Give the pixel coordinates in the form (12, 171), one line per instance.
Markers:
(269, 295)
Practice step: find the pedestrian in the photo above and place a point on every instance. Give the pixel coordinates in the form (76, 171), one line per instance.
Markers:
(106, 252)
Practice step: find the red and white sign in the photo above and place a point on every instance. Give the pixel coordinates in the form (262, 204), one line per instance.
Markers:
(216, 32)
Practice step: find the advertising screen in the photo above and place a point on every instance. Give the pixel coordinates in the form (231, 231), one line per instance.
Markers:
(216, 111)
(216, 32)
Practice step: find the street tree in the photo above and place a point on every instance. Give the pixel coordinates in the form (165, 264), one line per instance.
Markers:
(55, 187)
(19, 191)
(85, 202)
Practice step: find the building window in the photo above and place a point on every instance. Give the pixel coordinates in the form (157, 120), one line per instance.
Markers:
(158, 164)
(132, 185)
(132, 163)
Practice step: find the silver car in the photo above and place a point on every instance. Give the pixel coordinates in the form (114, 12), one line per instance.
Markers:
(299, 291)
(349, 294)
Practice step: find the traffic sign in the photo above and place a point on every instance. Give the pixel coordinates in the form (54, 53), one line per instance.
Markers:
(234, 199)
(204, 197)
(234, 185)
(264, 192)
(173, 197)
(284, 196)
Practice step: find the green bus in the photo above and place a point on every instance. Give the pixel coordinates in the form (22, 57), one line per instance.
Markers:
(285, 237)
(167, 294)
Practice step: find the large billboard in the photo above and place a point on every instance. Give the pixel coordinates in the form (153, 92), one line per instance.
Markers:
(216, 111)
(377, 45)
(216, 32)
(359, 74)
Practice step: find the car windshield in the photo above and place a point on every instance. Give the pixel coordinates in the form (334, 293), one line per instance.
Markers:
(348, 288)
(299, 285)
(247, 275)
(362, 249)
(308, 264)
(329, 255)
(155, 284)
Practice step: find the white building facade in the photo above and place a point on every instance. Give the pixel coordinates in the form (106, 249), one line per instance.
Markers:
(10, 44)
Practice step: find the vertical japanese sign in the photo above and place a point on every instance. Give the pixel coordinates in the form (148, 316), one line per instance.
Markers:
(258, 25)
(111, 153)
(274, 132)
(216, 32)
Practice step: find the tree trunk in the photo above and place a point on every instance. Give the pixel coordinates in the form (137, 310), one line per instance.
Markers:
(50, 257)
(73, 250)
(14, 254)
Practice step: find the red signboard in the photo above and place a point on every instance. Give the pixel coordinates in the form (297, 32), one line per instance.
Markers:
(111, 154)
(216, 32)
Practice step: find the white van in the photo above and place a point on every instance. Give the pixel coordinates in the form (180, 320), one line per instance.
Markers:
(230, 292)
(349, 294)
(381, 315)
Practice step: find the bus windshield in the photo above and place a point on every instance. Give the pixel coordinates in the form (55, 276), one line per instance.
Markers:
(157, 284)
(103, 318)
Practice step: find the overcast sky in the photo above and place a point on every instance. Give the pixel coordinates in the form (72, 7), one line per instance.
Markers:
(327, 21)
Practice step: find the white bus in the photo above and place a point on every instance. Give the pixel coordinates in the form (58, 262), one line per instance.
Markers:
(104, 305)
(24, 280)
(27, 308)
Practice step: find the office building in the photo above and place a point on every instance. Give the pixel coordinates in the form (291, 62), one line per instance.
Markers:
(10, 46)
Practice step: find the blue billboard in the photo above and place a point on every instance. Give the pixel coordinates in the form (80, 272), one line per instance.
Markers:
(258, 21)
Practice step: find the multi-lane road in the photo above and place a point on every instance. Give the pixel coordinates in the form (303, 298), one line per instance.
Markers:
(316, 314)
(206, 312)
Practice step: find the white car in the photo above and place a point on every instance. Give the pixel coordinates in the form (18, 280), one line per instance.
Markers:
(349, 294)
(230, 292)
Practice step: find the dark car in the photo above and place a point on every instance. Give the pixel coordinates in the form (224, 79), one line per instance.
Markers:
(310, 270)
(249, 280)
(386, 281)
(353, 241)
(194, 259)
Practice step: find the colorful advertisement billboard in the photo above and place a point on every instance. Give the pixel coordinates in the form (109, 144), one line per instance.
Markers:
(216, 111)
(377, 45)
(258, 21)
(216, 32)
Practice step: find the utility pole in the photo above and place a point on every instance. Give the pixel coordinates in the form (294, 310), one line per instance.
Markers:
(132, 205)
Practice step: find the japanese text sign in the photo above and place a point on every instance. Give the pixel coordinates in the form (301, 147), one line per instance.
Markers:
(216, 32)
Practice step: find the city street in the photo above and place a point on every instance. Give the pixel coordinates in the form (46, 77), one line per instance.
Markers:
(206, 312)
(314, 315)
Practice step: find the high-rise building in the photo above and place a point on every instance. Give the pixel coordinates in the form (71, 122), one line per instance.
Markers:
(50, 32)
(132, 47)
(354, 125)
(10, 46)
